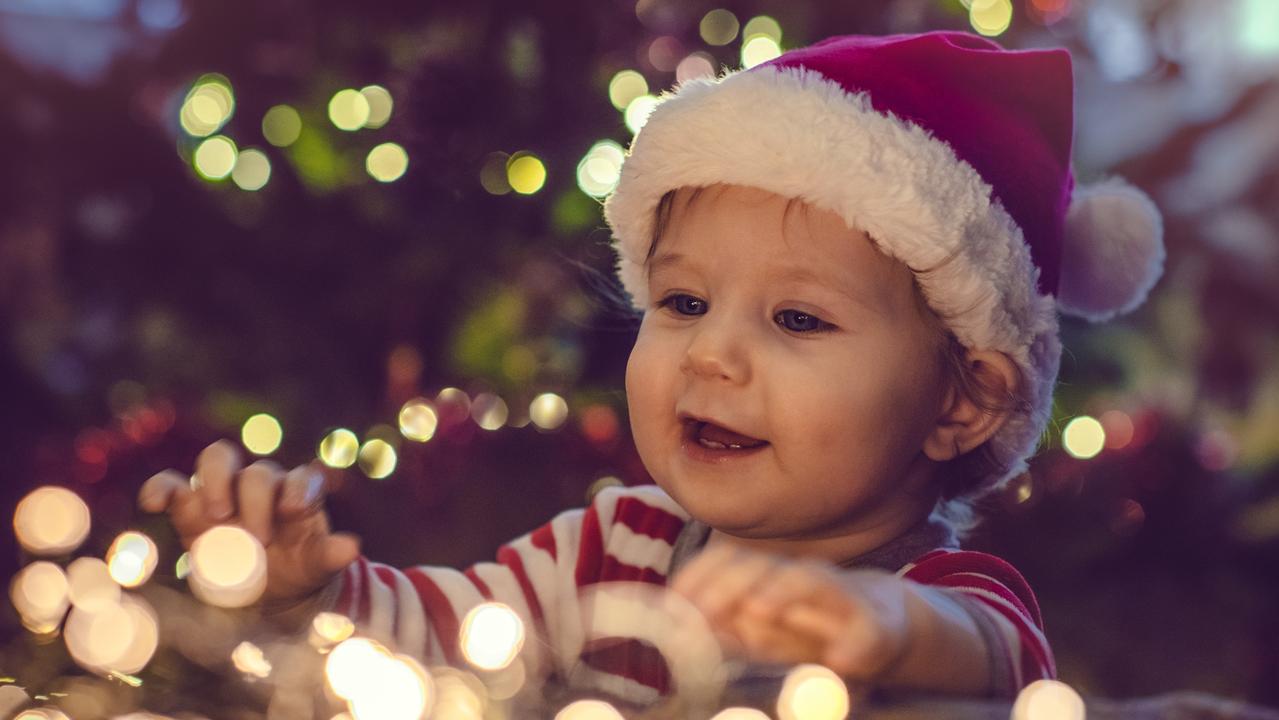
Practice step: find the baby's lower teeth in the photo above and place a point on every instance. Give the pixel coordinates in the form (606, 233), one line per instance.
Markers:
(716, 445)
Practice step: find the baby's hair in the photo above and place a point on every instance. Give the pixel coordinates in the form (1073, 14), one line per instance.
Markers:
(967, 471)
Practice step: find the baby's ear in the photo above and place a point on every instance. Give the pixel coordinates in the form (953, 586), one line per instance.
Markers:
(976, 407)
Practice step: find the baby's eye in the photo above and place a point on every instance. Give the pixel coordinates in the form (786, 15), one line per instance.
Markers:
(684, 304)
(801, 322)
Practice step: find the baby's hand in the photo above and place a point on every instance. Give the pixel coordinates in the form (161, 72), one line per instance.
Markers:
(791, 611)
(284, 512)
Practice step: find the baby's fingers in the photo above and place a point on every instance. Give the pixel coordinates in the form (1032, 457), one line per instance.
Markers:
(170, 491)
(259, 484)
(215, 471)
(732, 583)
(304, 488)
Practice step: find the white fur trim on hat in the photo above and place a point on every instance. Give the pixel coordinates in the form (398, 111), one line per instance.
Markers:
(796, 133)
(1113, 251)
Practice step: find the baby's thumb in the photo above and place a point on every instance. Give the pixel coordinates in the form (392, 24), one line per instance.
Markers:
(340, 550)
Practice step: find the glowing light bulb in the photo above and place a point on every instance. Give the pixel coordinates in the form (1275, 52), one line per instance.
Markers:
(387, 162)
(339, 448)
(1119, 429)
(718, 27)
(588, 710)
(207, 107)
(377, 458)
(51, 521)
(262, 434)
(990, 17)
(625, 87)
(699, 64)
(548, 411)
(400, 690)
(143, 640)
(40, 595)
(525, 173)
(215, 157)
(252, 170)
(348, 110)
(350, 664)
(249, 659)
(740, 713)
(418, 420)
(759, 49)
(493, 173)
(97, 639)
(601, 168)
(90, 586)
(638, 111)
(329, 629)
(813, 692)
(1083, 437)
(281, 126)
(228, 567)
(132, 558)
(489, 411)
(380, 105)
(1048, 700)
(41, 713)
(492, 636)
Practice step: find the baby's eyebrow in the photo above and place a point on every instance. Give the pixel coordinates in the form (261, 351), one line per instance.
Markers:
(664, 261)
(858, 296)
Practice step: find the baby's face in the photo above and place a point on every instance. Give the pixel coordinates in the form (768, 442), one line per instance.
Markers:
(784, 379)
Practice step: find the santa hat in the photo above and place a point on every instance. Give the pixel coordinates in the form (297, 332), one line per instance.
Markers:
(951, 153)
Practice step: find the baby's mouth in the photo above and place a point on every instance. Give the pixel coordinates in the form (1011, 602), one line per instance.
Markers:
(716, 437)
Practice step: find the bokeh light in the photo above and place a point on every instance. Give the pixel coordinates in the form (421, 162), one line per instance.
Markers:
(41, 713)
(215, 157)
(459, 695)
(525, 173)
(718, 27)
(697, 65)
(207, 107)
(380, 105)
(348, 110)
(132, 558)
(548, 411)
(493, 174)
(1119, 429)
(377, 458)
(1048, 700)
(349, 664)
(418, 420)
(492, 636)
(588, 710)
(664, 53)
(762, 26)
(813, 692)
(252, 170)
(489, 411)
(625, 86)
(90, 585)
(51, 521)
(339, 448)
(601, 168)
(740, 713)
(182, 566)
(250, 660)
(329, 629)
(990, 17)
(261, 434)
(143, 641)
(387, 162)
(121, 637)
(1083, 437)
(40, 595)
(228, 567)
(281, 125)
(759, 49)
(638, 111)
(377, 685)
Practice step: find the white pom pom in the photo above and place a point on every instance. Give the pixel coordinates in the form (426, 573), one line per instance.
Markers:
(1113, 252)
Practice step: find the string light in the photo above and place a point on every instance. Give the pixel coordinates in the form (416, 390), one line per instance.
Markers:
(339, 448)
(51, 521)
(813, 692)
(348, 110)
(249, 659)
(990, 17)
(252, 170)
(718, 27)
(375, 683)
(262, 434)
(548, 411)
(90, 586)
(588, 710)
(601, 168)
(380, 105)
(418, 420)
(638, 110)
(759, 49)
(740, 713)
(492, 636)
(489, 411)
(281, 125)
(625, 86)
(215, 157)
(228, 567)
(40, 595)
(699, 64)
(328, 629)
(525, 173)
(377, 458)
(207, 107)
(132, 558)
(1048, 700)
(1083, 437)
(387, 162)
(493, 174)
(762, 26)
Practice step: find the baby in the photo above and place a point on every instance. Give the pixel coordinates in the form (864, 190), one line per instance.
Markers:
(849, 262)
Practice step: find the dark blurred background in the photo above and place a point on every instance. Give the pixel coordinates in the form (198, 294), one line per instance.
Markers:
(189, 239)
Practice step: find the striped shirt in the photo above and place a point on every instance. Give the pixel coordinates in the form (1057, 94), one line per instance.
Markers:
(629, 535)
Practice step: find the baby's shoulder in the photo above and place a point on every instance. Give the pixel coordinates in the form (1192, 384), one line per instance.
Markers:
(973, 571)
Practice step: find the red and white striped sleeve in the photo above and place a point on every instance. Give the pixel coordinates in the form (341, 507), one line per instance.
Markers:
(623, 534)
(1002, 604)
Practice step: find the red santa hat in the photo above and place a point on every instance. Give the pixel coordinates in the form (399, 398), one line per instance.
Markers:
(951, 153)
